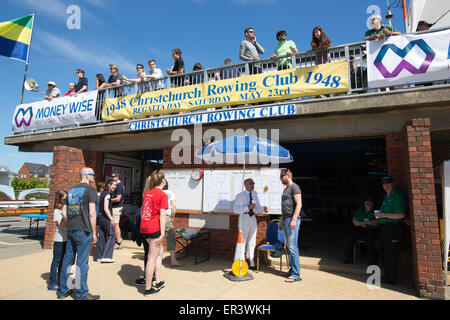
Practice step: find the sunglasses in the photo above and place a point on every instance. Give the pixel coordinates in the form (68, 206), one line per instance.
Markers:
(251, 183)
(250, 31)
(90, 174)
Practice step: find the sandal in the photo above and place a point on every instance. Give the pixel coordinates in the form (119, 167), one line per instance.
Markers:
(291, 279)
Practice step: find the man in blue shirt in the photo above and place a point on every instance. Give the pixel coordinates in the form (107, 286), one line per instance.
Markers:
(79, 211)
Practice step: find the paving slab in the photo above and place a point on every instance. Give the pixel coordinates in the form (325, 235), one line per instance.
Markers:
(25, 278)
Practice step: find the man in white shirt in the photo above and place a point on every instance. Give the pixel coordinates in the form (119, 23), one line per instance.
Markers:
(52, 92)
(246, 205)
(154, 73)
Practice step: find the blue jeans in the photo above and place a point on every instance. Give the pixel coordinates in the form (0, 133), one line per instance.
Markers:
(55, 269)
(78, 242)
(291, 236)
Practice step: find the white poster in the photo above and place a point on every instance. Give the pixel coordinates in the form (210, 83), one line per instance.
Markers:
(61, 111)
(408, 59)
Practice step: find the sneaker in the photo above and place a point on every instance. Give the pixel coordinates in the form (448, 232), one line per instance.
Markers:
(160, 285)
(140, 282)
(53, 287)
(118, 246)
(106, 260)
(92, 297)
(152, 290)
(66, 295)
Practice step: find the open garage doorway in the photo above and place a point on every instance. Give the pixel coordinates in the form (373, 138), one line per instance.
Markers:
(335, 177)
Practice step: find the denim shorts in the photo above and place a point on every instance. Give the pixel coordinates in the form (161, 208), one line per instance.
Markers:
(154, 235)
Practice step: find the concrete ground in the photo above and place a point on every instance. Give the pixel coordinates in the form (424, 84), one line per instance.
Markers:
(25, 277)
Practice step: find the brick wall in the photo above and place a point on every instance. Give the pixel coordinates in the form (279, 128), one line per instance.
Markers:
(25, 171)
(427, 260)
(67, 163)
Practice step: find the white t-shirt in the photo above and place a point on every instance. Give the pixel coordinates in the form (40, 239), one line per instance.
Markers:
(60, 234)
(170, 196)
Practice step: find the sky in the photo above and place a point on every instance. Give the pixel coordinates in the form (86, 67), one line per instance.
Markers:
(130, 32)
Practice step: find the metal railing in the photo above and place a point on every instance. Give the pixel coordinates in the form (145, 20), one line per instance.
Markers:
(355, 53)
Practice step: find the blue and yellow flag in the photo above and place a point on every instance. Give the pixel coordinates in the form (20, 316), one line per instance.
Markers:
(15, 37)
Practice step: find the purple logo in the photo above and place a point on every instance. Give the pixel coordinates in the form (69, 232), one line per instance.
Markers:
(430, 54)
(22, 115)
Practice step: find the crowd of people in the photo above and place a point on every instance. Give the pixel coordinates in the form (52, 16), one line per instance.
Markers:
(86, 216)
(249, 51)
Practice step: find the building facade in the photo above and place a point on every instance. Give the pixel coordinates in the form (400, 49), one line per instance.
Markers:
(341, 143)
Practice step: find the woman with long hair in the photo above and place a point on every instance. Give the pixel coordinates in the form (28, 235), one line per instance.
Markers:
(153, 222)
(320, 41)
(59, 240)
(106, 237)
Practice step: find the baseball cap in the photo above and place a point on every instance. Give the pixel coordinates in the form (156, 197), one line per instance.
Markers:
(387, 179)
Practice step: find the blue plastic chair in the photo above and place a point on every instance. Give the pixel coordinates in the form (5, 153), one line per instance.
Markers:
(274, 243)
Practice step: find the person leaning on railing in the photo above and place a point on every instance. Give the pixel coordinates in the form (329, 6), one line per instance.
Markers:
(196, 78)
(82, 85)
(320, 40)
(227, 72)
(115, 79)
(142, 86)
(154, 73)
(100, 82)
(52, 92)
(71, 90)
(283, 48)
(379, 31)
(177, 68)
(249, 50)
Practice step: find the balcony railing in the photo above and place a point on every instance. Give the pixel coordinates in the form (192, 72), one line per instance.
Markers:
(355, 53)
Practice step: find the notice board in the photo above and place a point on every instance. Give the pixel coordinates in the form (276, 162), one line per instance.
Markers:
(222, 186)
(188, 192)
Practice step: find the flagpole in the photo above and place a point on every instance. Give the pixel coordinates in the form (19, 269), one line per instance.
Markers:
(26, 64)
(405, 15)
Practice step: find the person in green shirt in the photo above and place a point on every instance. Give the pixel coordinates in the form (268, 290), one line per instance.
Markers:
(283, 48)
(391, 218)
(378, 30)
(365, 227)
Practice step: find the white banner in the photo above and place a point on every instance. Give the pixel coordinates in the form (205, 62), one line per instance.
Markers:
(61, 111)
(408, 59)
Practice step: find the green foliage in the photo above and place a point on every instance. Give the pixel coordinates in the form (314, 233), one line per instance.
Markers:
(20, 184)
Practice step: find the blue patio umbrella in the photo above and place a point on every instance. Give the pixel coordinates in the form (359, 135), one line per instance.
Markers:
(243, 150)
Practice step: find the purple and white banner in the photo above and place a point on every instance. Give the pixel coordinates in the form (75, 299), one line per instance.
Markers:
(408, 59)
(59, 112)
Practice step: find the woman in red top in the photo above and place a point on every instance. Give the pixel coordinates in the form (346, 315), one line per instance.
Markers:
(153, 222)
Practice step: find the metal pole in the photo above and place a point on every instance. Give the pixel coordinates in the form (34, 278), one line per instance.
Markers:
(405, 15)
(26, 64)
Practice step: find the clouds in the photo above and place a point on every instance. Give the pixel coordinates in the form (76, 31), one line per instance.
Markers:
(57, 9)
(86, 53)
